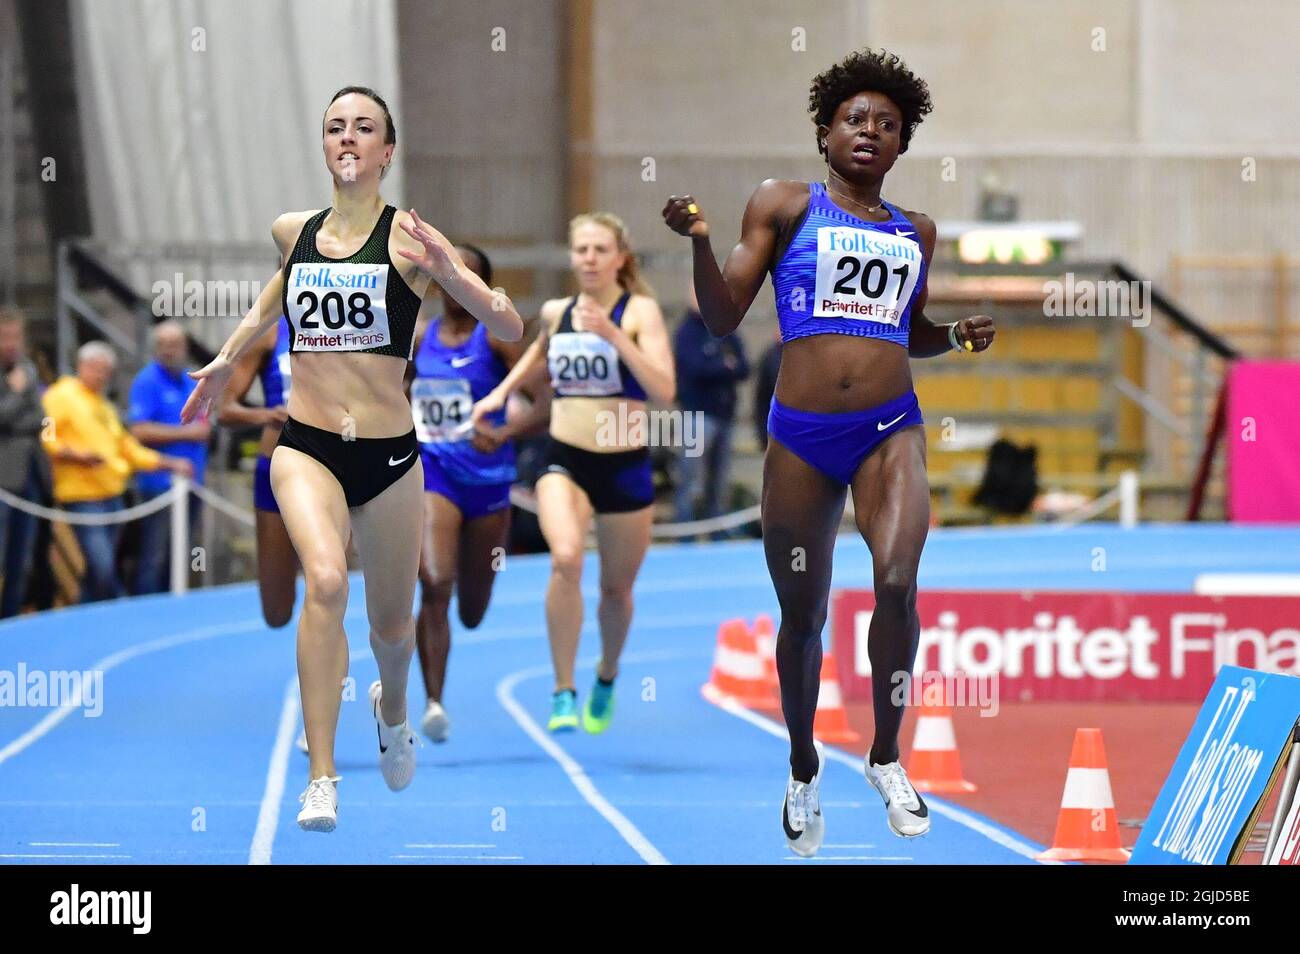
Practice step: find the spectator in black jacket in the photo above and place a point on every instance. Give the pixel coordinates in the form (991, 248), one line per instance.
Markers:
(708, 370)
(23, 468)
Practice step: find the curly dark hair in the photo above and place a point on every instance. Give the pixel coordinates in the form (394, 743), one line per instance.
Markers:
(873, 70)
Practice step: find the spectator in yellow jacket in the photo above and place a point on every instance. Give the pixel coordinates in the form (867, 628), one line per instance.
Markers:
(93, 457)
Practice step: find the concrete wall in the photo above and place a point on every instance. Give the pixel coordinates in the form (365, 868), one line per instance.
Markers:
(484, 140)
(1132, 117)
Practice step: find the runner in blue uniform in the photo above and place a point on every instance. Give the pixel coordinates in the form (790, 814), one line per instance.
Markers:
(849, 273)
(467, 476)
(277, 563)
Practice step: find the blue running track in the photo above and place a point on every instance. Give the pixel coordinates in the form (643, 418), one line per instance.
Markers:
(192, 760)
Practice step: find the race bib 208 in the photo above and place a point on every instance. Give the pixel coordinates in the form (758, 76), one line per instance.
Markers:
(336, 306)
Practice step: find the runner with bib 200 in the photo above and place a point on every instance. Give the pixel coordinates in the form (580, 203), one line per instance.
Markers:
(353, 278)
(849, 273)
(467, 476)
(607, 351)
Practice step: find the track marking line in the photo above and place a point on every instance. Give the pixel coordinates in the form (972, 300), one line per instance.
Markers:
(629, 832)
(277, 771)
(465, 857)
(74, 844)
(447, 846)
(111, 661)
(62, 856)
(850, 858)
(853, 762)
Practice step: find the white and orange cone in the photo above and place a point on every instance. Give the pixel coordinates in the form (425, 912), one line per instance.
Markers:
(1087, 829)
(737, 669)
(935, 764)
(831, 724)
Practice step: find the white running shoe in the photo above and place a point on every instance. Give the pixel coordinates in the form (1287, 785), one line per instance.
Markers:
(435, 723)
(396, 745)
(907, 814)
(320, 804)
(801, 812)
(301, 743)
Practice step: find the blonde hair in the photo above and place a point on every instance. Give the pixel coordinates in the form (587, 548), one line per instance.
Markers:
(629, 276)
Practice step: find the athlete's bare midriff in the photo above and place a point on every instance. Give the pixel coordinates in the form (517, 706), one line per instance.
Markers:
(331, 389)
(831, 374)
(597, 423)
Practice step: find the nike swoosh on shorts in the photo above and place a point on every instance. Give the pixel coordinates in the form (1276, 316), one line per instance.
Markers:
(394, 463)
(881, 427)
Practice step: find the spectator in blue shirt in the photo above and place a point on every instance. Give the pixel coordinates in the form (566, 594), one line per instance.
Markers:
(708, 370)
(158, 393)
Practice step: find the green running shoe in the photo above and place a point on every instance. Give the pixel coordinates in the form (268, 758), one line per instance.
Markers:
(564, 711)
(599, 708)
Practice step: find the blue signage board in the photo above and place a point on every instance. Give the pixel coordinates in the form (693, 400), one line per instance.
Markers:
(1223, 770)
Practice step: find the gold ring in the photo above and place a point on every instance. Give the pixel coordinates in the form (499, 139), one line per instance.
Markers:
(693, 209)
(970, 346)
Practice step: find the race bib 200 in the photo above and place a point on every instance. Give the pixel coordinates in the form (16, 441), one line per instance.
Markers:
(865, 274)
(335, 306)
(583, 364)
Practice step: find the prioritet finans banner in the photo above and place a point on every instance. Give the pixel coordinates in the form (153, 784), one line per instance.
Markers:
(1080, 646)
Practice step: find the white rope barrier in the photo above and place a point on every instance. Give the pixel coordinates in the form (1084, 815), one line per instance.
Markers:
(220, 503)
(215, 500)
(1125, 494)
(89, 519)
(177, 498)
(527, 502)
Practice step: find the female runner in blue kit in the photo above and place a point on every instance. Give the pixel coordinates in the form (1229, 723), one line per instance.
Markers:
(468, 471)
(849, 273)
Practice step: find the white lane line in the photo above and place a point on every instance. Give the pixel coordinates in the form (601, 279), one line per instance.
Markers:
(851, 858)
(855, 763)
(847, 846)
(505, 695)
(74, 844)
(64, 856)
(46, 725)
(465, 857)
(268, 816)
(447, 846)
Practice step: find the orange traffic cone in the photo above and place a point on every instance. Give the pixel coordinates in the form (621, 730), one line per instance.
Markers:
(737, 668)
(831, 723)
(1086, 829)
(765, 637)
(935, 765)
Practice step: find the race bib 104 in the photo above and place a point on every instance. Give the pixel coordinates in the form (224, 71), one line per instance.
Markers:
(440, 409)
(865, 274)
(336, 306)
(583, 364)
